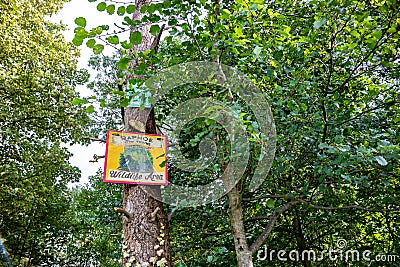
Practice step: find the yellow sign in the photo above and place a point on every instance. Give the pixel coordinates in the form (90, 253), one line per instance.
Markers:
(135, 158)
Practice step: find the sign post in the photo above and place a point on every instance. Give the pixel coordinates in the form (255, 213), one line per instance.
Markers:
(135, 158)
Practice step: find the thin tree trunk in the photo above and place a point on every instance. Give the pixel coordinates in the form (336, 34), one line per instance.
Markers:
(301, 241)
(146, 237)
(243, 254)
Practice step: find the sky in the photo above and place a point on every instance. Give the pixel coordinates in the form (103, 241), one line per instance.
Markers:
(71, 10)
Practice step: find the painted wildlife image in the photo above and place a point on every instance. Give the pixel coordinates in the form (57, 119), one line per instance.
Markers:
(136, 159)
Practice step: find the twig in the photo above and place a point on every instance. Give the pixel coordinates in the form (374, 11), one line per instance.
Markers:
(307, 203)
(171, 214)
(96, 158)
(267, 196)
(390, 103)
(94, 139)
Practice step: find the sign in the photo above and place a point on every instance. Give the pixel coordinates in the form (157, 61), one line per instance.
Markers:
(135, 158)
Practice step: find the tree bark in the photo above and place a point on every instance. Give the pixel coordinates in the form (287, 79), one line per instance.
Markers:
(301, 242)
(145, 232)
(243, 254)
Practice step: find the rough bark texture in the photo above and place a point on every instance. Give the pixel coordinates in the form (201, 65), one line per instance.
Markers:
(146, 238)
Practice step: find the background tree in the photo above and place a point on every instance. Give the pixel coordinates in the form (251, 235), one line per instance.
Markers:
(38, 76)
(94, 232)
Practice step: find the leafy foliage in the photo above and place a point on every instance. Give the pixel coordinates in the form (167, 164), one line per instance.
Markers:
(37, 79)
(330, 72)
(94, 232)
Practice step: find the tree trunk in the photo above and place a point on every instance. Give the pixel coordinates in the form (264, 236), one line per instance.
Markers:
(146, 238)
(301, 242)
(243, 254)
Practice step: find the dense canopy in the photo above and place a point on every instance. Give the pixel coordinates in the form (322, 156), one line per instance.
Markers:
(38, 77)
(329, 70)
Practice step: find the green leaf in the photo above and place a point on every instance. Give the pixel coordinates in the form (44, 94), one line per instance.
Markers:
(90, 43)
(97, 49)
(101, 6)
(318, 23)
(90, 109)
(143, 9)
(377, 34)
(354, 33)
(126, 45)
(167, 3)
(381, 160)
(80, 32)
(77, 41)
(151, 8)
(238, 32)
(128, 21)
(103, 103)
(118, 92)
(130, 9)
(80, 21)
(124, 102)
(121, 10)
(168, 39)
(257, 51)
(113, 39)
(172, 22)
(154, 30)
(123, 63)
(270, 203)
(136, 37)
(162, 164)
(323, 145)
(159, 7)
(79, 101)
(152, 100)
(91, 1)
(111, 9)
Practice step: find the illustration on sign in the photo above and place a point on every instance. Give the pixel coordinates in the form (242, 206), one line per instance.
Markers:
(135, 158)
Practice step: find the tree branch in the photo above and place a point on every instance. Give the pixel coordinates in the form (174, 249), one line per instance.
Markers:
(124, 212)
(390, 103)
(94, 139)
(194, 38)
(308, 203)
(367, 55)
(263, 236)
(267, 196)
